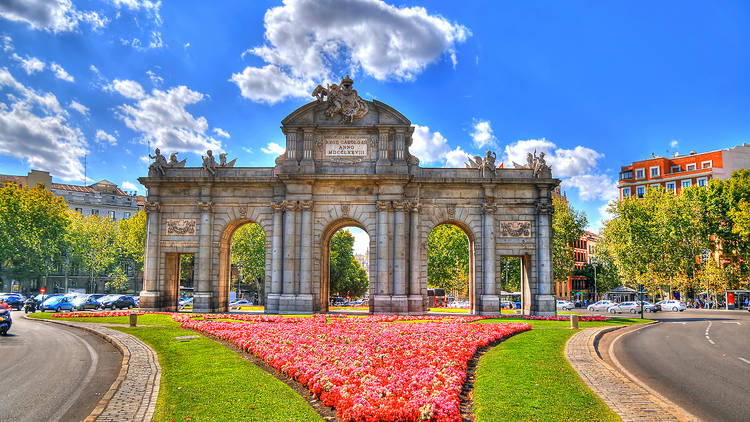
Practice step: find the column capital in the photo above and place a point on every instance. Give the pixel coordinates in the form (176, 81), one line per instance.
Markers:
(152, 206)
(400, 205)
(489, 208)
(545, 207)
(277, 206)
(413, 206)
(306, 205)
(289, 205)
(206, 206)
(383, 205)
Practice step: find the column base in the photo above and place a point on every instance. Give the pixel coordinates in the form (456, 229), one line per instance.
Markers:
(416, 305)
(202, 302)
(545, 305)
(304, 303)
(272, 304)
(399, 304)
(149, 301)
(489, 305)
(287, 304)
(381, 304)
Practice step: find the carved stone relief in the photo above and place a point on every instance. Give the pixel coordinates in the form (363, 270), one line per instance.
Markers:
(181, 226)
(515, 229)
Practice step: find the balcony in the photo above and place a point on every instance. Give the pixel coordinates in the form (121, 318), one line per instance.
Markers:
(626, 175)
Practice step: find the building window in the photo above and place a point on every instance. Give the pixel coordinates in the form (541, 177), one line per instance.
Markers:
(654, 171)
(640, 173)
(79, 210)
(690, 167)
(127, 215)
(111, 214)
(687, 183)
(627, 174)
(654, 185)
(671, 187)
(640, 191)
(707, 164)
(702, 181)
(675, 169)
(626, 192)
(94, 212)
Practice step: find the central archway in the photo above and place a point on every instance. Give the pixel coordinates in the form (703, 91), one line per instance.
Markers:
(450, 266)
(325, 259)
(227, 275)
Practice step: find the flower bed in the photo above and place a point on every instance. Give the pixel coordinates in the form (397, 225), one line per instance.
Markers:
(366, 368)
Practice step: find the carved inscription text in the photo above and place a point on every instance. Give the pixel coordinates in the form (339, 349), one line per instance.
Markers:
(346, 146)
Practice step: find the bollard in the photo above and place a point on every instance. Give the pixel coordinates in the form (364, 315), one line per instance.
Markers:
(574, 322)
(133, 319)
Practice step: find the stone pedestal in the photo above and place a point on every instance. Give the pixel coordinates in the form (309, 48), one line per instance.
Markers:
(287, 304)
(381, 304)
(304, 303)
(416, 305)
(149, 301)
(272, 304)
(490, 305)
(546, 305)
(399, 305)
(202, 302)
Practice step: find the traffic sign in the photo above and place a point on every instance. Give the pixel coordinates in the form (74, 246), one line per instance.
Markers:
(42, 290)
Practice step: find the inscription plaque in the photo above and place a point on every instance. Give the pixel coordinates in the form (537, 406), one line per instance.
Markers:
(346, 146)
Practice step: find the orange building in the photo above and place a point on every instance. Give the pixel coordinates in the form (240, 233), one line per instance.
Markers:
(583, 249)
(678, 172)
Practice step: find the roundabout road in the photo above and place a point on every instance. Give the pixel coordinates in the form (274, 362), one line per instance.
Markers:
(53, 373)
(698, 359)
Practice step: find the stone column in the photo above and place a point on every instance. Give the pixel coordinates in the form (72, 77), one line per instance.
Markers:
(416, 304)
(272, 304)
(383, 290)
(291, 146)
(307, 164)
(304, 298)
(150, 296)
(399, 302)
(543, 290)
(286, 301)
(202, 300)
(490, 302)
(384, 159)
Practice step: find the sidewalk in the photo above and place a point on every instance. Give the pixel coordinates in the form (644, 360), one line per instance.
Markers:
(132, 397)
(629, 400)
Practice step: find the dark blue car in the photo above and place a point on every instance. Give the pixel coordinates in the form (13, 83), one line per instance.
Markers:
(13, 300)
(117, 302)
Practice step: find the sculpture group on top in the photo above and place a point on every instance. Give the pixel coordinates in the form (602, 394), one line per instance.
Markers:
(160, 164)
(342, 99)
(534, 162)
(486, 165)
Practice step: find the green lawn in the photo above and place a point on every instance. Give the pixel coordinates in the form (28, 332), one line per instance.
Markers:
(566, 324)
(203, 380)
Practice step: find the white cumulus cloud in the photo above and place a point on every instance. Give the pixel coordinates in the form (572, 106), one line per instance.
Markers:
(75, 105)
(60, 73)
(273, 148)
(102, 137)
(593, 187)
(30, 64)
(221, 132)
(564, 162)
(482, 134)
(674, 144)
(34, 127)
(49, 15)
(7, 43)
(162, 118)
(129, 186)
(307, 39)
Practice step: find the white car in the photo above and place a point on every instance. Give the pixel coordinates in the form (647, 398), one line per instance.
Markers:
(620, 308)
(601, 306)
(672, 305)
(565, 305)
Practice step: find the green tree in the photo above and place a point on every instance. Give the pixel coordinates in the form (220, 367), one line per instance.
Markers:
(568, 226)
(92, 243)
(118, 279)
(33, 223)
(448, 259)
(348, 277)
(131, 239)
(249, 254)
(510, 280)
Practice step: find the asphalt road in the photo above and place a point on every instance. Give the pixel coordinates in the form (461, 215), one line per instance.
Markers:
(53, 373)
(698, 359)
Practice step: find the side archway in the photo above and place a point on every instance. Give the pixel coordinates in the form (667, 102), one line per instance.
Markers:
(225, 260)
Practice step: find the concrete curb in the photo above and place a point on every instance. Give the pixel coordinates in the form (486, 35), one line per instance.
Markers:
(625, 397)
(110, 407)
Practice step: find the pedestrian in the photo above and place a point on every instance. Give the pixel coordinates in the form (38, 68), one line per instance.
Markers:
(747, 303)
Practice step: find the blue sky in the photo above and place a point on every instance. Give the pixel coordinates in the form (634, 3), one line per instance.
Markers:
(596, 85)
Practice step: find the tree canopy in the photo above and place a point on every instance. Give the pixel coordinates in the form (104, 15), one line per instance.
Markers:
(568, 226)
(348, 277)
(448, 259)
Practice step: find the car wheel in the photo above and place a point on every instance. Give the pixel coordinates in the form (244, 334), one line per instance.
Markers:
(57, 310)
(674, 309)
(611, 311)
(632, 311)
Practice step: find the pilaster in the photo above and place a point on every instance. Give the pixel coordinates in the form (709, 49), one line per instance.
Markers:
(490, 301)
(399, 302)
(286, 301)
(149, 297)
(382, 299)
(544, 300)
(416, 304)
(272, 303)
(304, 299)
(202, 300)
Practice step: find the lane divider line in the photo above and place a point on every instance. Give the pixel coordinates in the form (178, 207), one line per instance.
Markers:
(744, 360)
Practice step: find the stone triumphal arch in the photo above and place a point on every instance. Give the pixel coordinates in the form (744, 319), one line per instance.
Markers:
(347, 163)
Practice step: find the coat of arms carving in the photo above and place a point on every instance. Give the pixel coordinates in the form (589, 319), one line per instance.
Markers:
(181, 226)
(515, 229)
(343, 100)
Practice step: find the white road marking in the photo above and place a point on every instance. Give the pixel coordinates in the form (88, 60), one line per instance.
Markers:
(708, 328)
(744, 360)
(711, 341)
(731, 322)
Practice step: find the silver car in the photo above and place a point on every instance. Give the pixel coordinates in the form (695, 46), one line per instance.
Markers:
(621, 308)
(672, 305)
(601, 306)
(565, 305)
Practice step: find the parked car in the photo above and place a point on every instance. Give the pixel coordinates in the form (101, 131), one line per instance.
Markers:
(651, 307)
(506, 304)
(185, 302)
(117, 302)
(57, 304)
(601, 306)
(565, 305)
(621, 308)
(672, 305)
(13, 300)
(83, 302)
(40, 298)
(241, 302)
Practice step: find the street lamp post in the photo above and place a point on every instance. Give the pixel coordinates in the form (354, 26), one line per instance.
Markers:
(507, 266)
(593, 262)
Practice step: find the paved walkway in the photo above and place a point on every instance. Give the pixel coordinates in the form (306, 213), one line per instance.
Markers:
(626, 398)
(132, 396)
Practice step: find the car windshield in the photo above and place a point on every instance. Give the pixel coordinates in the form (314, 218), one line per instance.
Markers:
(51, 300)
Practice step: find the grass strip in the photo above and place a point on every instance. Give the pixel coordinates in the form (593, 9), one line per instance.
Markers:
(528, 378)
(203, 380)
(566, 324)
